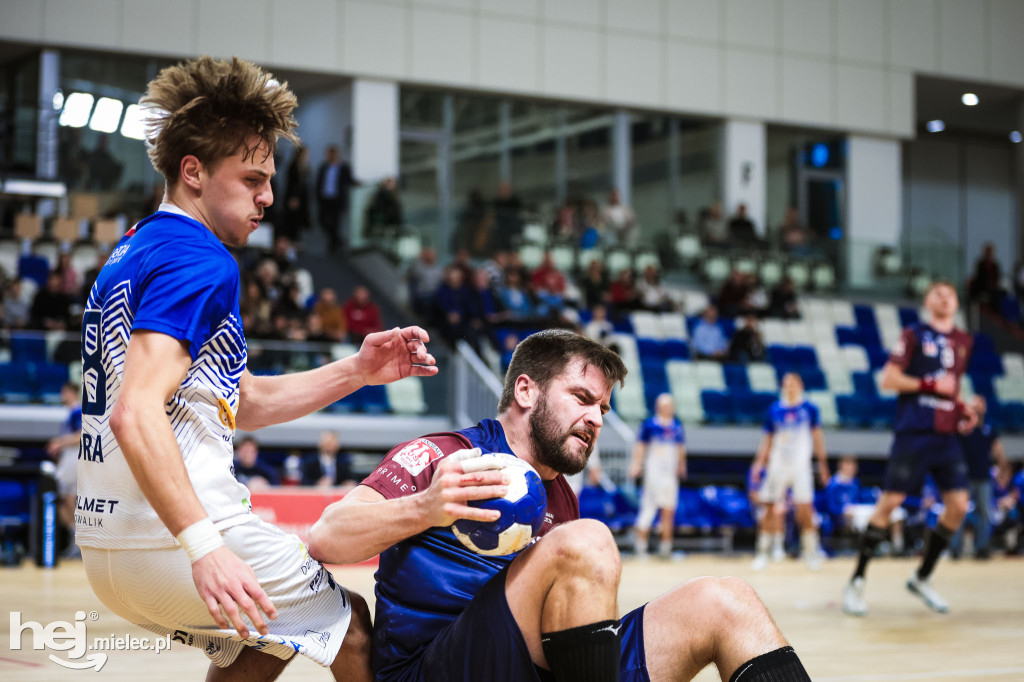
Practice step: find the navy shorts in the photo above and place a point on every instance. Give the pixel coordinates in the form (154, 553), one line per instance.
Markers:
(914, 455)
(485, 643)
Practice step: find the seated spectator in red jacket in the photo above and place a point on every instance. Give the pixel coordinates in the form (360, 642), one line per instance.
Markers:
(362, 316)
(548, 277)
(622, 295)
(732, 297)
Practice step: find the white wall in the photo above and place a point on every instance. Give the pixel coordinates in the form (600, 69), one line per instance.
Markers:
(323, 119)
(744, 153)
(873, 200)
(832, 63)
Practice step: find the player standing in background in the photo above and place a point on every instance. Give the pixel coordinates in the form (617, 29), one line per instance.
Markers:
(660, 453)
(792, 432)
(168, 538)
(549, 612)
(925, 368)
(64, 449)
(983, 448)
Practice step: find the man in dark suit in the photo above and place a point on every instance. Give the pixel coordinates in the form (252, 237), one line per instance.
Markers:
(328, 467)
(333, 182)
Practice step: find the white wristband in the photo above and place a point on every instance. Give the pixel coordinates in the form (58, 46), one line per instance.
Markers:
(200, 539)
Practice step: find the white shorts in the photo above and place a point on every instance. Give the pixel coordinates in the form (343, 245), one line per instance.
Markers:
(154, 589)
(661, 494)
(67, 472)
(779, 480)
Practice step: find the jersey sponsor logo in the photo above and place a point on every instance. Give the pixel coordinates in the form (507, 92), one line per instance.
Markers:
(930, 348)
(118, 253)
(95, 505)
(318, 637)
(417, 456)
(90, 448)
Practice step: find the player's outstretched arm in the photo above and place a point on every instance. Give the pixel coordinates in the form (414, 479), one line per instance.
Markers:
(384, 357)
(364, 523)
(154, 367)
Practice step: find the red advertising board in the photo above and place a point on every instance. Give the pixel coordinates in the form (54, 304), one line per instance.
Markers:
(293, 510)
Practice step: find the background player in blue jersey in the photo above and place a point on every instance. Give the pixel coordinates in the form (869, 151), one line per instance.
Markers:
(792, 433)
(168, 538)
(982, 449)
(660, 454)
(64, 450)
(925, 368)
(446, 613)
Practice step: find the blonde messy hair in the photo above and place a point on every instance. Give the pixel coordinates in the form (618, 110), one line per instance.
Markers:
(210, 109)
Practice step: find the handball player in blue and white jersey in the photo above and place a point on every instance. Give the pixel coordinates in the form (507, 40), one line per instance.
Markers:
(792, 434)
(548, 612)
(168, 538)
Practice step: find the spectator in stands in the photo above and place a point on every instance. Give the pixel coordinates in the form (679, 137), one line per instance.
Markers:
(516, 300)
(732, 296)
(282, 252)
(268, 277)
(316, 333)
(741, 230)
(451, 303)
(384, 212)
(842, 492)
(985, 285)
(362, 316)
(334, 181)
(484, 309)
(255, 309)
(331, 315)
(248, 468)
(782, 302)
(566, 226)
(982, 448)
(747, 344)
(475, 226)
(296, 196)
(17, 314)
(757, 299)
(713, 229)
(548, 277)
(600, 329)
(328, 467)
(508, 221)
(495, 268)
(653, 295)
(516, 263)
(104, 168)
(619, 220)
(794, 235)
(464, 262)
(551, 303)
(89, 278)
(594, 285)
(1010, 504)
(69, 280)
(51, 307)
(622, 294)
(709, 341)
(424, 277)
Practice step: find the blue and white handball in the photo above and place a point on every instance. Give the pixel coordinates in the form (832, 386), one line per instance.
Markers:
(522, 512)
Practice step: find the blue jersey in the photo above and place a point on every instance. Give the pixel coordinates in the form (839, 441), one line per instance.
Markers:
(839, 493)
(654, 431)
(791, 428)
(169, 275)
(426, 581)
(977, 446)
(74, 422)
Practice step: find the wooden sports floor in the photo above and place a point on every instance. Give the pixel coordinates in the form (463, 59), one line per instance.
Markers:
(981, 639)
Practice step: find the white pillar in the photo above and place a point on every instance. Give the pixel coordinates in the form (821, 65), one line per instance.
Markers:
(743, 160)
(46, 134)
(622, 164)
(1019, 159)
(374, 130)
(874, 202)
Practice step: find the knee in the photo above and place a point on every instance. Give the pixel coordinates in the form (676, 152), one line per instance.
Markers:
(957, 508)
(584, 548)
(731, 600)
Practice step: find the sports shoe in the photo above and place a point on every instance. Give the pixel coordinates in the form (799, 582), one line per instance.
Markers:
(813, 560)
(853, 598)
(924, 590)
(778, 554)
(760, 562)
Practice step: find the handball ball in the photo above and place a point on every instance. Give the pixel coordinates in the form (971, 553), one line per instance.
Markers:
(522, 513)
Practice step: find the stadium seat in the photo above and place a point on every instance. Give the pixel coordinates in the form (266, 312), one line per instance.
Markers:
(28, 347)
(729, 506)
(585, 256)
(48, 250)
(17, 383)
(644, 258)
(718, 407)
(771, 273)
(696, 302)
(750, 407)
(563, 256)
(709, 375)
(826, 404)
(10, 250)
(532, 255)
(675, 349)
(535, 233)
(800, 273)
(617, 260)
(673, 326)
(689, 248)
(774, 332)
(646, 325)
(855, 358)
(35, 268)
(50, 378)
(842, 313)
(823, 277)
(406, 396)
(984, 358)
(716, 269)
(736, 377)
(745, 264)
(762, 378)
(908, 316)
(1013, 365)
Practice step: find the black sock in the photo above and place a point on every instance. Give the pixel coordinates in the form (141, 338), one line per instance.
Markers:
(938, 540)
(869, 541)
(589, 653)
(781, 665)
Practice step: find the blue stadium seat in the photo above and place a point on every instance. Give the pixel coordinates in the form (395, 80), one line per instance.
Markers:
(729, 505)
(693, 511)
(717, 407)
(675, 349)
(750, 407)
(864, 385)
(17, 382)
(780, 357)
(984, 357)
(804, 356)
(909, 316)
(855, 411)
(736, 377)
(374, 399)
(35, 268)
(50, 378)
(28, 348)
(867, 324)
(814, 378)
(649, 349)
(847, 336)
(877, 356)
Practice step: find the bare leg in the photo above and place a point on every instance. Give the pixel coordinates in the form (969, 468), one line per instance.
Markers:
(706, 620)
(250, 666)
(668, 520)
(568, 579)
(352, 664)
(887, 502)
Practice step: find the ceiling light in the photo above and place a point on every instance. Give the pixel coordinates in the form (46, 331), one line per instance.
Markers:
(969, 99)
(134, 125)
(107, 115)
(935, 126)
(77, 108)
(1015, 137)
(58, 100)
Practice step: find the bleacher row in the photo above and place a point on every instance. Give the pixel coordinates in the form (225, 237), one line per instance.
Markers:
(837, 347)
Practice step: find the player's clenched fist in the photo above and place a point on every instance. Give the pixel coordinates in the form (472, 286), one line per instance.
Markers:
(460, 477)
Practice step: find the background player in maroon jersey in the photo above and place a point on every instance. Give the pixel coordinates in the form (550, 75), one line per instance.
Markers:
(445, 613)
(925, 368)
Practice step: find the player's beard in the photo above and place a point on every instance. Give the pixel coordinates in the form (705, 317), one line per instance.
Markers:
(551, 445)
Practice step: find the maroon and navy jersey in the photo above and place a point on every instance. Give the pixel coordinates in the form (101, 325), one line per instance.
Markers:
(426, 581)
(924, 352)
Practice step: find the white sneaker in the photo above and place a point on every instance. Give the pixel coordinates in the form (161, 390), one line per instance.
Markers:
(853, 598)
(813, 560)
(924, 590)
(778, 554)
(760, 562)
(665, 550)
